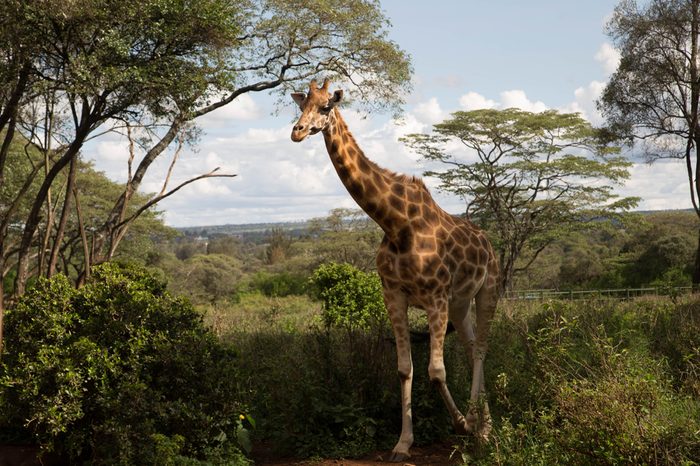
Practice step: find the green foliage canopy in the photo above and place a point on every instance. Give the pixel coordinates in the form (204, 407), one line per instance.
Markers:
(346, 236)
(288, 41)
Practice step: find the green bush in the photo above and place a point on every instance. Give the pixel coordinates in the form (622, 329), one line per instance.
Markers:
(351, 298)
(576, 383)
(118, 372)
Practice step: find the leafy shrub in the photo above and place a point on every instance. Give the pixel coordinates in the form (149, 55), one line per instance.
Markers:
(581, 383)
(628, 416)
(206, 278)
(335, 392)
(117, 372)
(351, 298)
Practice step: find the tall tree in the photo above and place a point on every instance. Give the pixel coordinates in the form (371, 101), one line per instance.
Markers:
(653, 96)
(148, 68)
(526, 177)
(98, 60)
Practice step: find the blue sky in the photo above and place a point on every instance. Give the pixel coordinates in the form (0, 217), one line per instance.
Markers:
(544, 47)
(535, 55)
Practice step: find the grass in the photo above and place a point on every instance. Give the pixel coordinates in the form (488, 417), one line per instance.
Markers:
(254, 312)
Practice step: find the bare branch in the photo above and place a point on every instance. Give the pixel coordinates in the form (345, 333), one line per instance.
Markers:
(157, 199)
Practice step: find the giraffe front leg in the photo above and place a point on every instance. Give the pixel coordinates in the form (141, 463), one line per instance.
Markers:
(397, 306)
(436, 368)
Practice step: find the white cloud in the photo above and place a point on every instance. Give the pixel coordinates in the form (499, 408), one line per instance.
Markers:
(110, 154)
(514, 98)
(609, 57)
(429, 112)
(279, 180)
(475, 101)
(661, 185)
(585, 97)
(356, 121)
(113, 150)
(585, 102)
(517, 98)
(242, 108)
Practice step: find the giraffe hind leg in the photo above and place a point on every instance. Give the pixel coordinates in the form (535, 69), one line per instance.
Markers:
(462, 319)
(479, 417)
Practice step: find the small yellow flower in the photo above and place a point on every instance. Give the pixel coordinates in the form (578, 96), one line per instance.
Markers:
(241, 417)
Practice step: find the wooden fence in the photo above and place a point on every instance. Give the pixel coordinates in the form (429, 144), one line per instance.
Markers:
(618, 293)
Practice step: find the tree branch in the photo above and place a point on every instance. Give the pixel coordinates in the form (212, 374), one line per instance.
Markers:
(157, 199)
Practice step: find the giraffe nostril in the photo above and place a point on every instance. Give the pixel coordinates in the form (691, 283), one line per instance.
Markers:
(298, 127)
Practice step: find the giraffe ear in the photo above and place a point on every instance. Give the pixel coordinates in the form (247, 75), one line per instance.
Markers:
(336, 98)
(298, 98)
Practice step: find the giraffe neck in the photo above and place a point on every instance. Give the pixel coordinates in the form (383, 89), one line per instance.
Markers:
(369, 185)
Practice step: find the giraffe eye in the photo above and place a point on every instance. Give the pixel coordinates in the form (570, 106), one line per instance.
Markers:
(326, 109)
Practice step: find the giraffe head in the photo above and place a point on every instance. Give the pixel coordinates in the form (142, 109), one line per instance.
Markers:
(316, 108)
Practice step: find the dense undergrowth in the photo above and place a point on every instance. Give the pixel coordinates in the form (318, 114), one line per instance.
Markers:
(595, 382)
(121, 372)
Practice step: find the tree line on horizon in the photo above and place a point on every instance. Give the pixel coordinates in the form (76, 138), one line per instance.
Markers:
(640, 250)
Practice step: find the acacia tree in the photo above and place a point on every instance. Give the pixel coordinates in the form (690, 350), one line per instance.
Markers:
(526, 177)
(149, 68)
(653, 96)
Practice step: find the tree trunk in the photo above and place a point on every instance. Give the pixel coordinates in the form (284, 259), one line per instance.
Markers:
(507, 265)
(9, 115)
(696, 268)
(34, 217)
(85, 275)
(53, 259)
(114, 229)
(2, 308)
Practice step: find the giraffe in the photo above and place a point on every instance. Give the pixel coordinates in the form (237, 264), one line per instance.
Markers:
(428, 259)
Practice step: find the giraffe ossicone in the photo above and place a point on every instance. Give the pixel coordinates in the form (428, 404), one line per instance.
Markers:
(428, 258)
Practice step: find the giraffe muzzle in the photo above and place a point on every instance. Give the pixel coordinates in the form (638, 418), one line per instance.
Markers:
(300, 132)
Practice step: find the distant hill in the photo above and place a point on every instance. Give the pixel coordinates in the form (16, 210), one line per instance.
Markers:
(248, 231)
(258, 231)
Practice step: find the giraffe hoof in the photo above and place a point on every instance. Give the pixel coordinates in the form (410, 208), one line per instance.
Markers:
(398, 457)
(462, 427)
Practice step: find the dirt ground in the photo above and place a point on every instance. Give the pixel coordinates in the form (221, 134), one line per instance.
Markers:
(433, 455)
